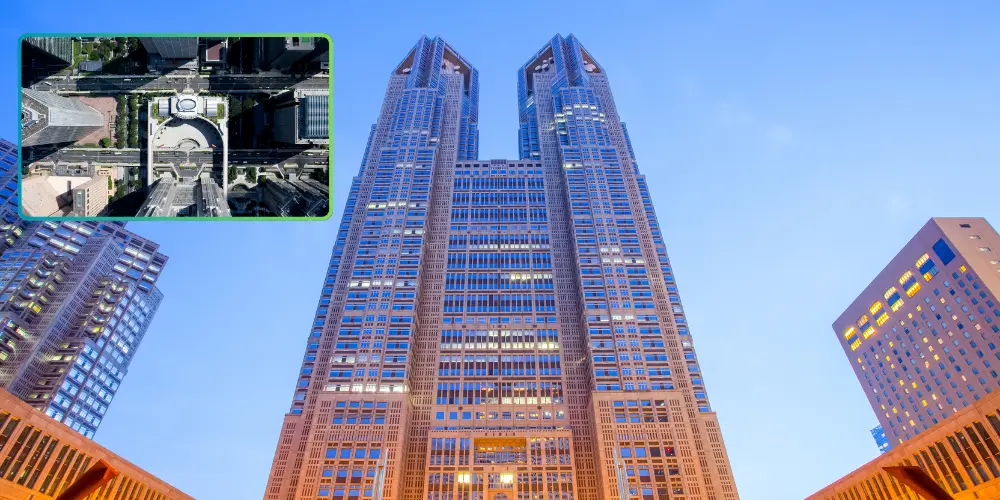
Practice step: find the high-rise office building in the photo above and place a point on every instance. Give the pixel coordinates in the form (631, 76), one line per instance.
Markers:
(59, 47)
(879, 435)
(76, 299)
(303, 117)
(922, 337)
(280, 53)
(8, 183)
(171, 47)
(500, 329)
(48, 118)
(90, 199)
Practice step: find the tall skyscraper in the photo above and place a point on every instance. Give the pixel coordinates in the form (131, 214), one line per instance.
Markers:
(279, 53)
(503, 328)
(922, 337)
(59, 47)
(303, 117)
(48, 118)
(76, 299)
(879, 435)
(171, 47)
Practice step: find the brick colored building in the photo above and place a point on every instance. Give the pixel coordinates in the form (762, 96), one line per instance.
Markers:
(40, 457)
(501, 329)
(961, 454)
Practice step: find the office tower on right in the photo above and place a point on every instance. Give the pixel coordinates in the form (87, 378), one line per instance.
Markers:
(643, 388)
(923, 337)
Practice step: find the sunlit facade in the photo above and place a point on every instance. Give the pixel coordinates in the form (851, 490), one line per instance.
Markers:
(500, 329)
(923, 337)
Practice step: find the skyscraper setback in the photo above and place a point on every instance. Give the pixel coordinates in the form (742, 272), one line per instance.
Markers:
(76, 299)
(500, 329)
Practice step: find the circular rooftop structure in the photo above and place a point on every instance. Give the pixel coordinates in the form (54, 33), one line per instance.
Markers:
(186, 104)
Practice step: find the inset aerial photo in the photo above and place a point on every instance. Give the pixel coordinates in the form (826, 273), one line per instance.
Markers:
(213, 126)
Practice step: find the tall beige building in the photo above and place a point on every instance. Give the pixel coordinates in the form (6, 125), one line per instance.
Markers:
(923, 337)
(501, 329)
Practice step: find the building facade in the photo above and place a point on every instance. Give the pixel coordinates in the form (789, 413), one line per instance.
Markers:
(90, 199)
(41, 458)
(961, 454)
(505, 328)
(303, 117)
(47, 118)
(60, 48)
(880, 440)
(76, 300)
(922, 337)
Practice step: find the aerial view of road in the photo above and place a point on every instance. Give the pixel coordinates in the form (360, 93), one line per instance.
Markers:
(215, 126)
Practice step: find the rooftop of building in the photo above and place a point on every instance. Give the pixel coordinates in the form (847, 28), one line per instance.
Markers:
(213, 50)
(40, 199)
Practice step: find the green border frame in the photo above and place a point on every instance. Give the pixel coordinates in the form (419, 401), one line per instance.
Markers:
(200, 34)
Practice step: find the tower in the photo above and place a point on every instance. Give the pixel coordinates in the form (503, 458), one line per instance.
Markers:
(77, 299)
(499, 329)
(922, 337)
(47, 118)
(171, 47)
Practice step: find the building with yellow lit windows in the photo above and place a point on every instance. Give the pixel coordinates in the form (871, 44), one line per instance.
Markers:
(924, 337)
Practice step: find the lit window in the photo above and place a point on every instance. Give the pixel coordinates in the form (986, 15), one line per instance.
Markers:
(869, 331)
(876, 307)
(984, 249)
(893, 298)
(882, 319)
(975, 237)
(849, 333)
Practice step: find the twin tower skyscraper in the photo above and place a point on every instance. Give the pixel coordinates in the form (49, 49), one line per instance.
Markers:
(501, 329)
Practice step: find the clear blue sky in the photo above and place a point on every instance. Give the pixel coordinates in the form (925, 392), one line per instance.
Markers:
(792, 151)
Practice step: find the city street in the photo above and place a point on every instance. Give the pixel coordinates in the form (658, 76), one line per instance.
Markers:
(240, 157)
(222, 83)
